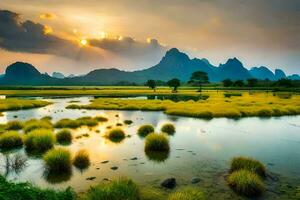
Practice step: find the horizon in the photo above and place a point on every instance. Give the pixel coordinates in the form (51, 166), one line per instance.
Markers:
(130, 35)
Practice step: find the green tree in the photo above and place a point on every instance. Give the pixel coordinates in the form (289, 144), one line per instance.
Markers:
(151, 84)
(175, 83)
(239, 83)
(227, 82)
(252, 82)
(198, 78)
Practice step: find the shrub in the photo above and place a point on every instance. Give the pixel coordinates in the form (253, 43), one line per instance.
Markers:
(39, 140)
(128, 121)
(246, 183)
(116, 135)
(187, 194)
(10, 139)
(250, 164)
(157, 142)
(14, 125)
(36, 124)
(144, 130)
(64, 136)
(58, 160)
(67, 123)
(116, 190)
(81, 159)
(168, 128)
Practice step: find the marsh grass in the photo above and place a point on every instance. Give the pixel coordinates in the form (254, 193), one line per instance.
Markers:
(120, 189)
(87, 121)
(101, 119)
(19, 104)
(187, 194)
(14, 125)
(67, 123)
(58, 160)
(39, 140)
(64, 136)
(246, 183)
(116, 135)
(10, 140)
(168, 128)
(157, 143)
(128, 121)
(33, 124)
(250, 164)
(144, 130)
(81, 159)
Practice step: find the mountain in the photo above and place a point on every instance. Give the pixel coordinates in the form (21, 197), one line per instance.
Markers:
(294, 77)
(174, 64)
(58, 75)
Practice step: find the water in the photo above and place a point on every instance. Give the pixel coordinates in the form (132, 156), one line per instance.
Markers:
(199, 148)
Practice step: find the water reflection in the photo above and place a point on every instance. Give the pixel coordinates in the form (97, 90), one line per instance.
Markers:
(55, 178)
(157, 156)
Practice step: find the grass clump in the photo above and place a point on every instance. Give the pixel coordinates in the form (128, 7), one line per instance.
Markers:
(249, 164)
(168, 128)
(25, 191)
(128, 121)
(39, 140)
(101, 119)
(36, 124)
(87, 121)
(14, 125)
(187, 194)
(58, 160)
(157, 143)
(116, 135)
(246, 183)
(144, 130)
(67, 123)
(64, 136)
(81, 159)
(116, 190)
(10, 140)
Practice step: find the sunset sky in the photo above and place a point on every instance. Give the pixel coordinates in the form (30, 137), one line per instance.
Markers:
(76, 36)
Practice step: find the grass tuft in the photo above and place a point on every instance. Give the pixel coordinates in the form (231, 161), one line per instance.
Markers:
(81, 159)
(128, 121)
(144, 130)
(157, 143)
(10, 140)
(116, 135)
(64, 136)
(33, 124)
(187, 194)
(58, 160)
(67, 123)
(39, 140)
(101, 119)
(250, 164)
(168, 128)
(14, 125)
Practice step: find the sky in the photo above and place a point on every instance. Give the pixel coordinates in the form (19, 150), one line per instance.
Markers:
(76, 36)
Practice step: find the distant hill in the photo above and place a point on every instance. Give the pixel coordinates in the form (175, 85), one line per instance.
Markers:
(174, 64)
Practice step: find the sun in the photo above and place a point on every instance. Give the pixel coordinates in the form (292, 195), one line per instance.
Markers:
(83, 42)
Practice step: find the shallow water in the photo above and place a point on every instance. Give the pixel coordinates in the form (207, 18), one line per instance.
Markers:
(199, 148)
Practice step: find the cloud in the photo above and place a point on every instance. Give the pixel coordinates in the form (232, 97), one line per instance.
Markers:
(47, 16)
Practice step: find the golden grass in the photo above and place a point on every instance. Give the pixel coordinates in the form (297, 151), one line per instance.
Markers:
(260, 104)
(19, 104)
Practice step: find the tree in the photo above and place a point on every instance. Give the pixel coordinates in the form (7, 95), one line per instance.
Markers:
(227, 83)
(198, 78)
(252, 82)
(239, 83)
(175, 83)
(151, 84)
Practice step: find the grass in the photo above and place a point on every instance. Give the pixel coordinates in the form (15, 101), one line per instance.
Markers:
(116, 135)
(20, 104)
(58, 160)
(33, 124)
(246, 105)
(168, 128)
(128, 121)
(76, 123)
(246, 183)
(157, 143)
(120, 189)
(64, 136)
(249, 164)
(39, 140)
(81, 159)
(144, 130)
(101, 119)
(87, 121)
(187, 194)
(26, 191)
(14, 125)
(10, 140)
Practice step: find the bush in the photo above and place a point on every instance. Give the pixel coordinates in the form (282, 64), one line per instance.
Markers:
(116, 190)
(14, 125)
(39, 140)
(26, 191)
(168, 128)
(128, 121)
(81, 159)
(246, 183)
(10, 139)
(116, 135)
(187, 194)
(36, 124)
(157, 142)
(64, 136)
(144, 130)
(250, 164)
(67, 123)
(58, 160)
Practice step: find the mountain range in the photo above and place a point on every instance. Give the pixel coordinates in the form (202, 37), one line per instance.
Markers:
(174, 64)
